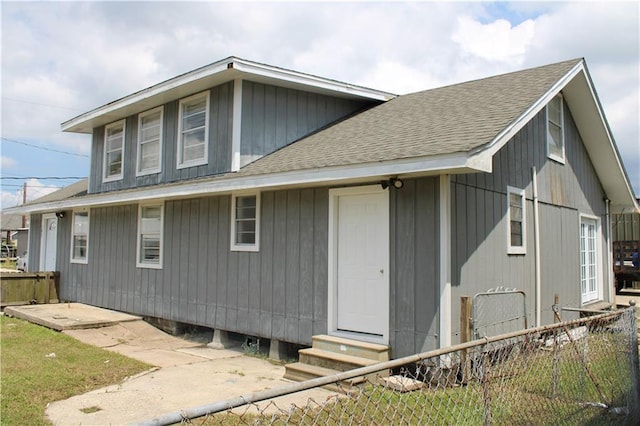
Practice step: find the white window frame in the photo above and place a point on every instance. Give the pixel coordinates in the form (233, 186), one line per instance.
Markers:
(235, 245)
(105, 175)
(513, 249)
(560, 158)
(596, 275)
(139, 262)
(73, 258)
(181, 164)
(158, 167)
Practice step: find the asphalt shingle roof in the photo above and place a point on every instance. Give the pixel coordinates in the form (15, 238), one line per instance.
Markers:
(74, 190)
(451, 119)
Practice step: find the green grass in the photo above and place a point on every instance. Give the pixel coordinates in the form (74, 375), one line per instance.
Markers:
(31, 377)
(532, 386)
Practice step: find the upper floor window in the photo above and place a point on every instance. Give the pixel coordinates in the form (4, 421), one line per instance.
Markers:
(555, 129)
(113, 151)
(150, 218)
(517, 221)
(80, 237)
(245, 223)
(149, 141)
(193, 130)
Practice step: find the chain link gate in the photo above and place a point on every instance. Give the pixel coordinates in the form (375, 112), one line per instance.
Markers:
(498, 311)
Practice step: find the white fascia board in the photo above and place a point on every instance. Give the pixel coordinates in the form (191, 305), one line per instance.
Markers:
(137, 97)
(457, 163)
(196, 80)
(577, 84)
(503, 137)
(606, 159)
(303, 79)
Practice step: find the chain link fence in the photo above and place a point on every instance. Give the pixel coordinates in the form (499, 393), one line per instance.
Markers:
(577, 372)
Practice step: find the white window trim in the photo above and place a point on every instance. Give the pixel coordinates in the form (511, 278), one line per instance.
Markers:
(157, 169)
(139, 263)
(106, 178)
(245, 247)
(180, 163)
(73, 223)
(510, 248)
(552, 156)
(599, 261)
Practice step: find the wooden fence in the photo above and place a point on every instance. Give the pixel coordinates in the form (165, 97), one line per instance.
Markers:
(28, 288)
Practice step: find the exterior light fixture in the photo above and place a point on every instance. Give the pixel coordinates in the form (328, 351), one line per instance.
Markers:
(392, 183)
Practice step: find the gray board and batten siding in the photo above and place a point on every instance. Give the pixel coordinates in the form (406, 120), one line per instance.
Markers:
(479, 224)
(272, 117)
(279, 292)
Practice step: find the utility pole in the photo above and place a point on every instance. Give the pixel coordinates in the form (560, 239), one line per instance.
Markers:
(24, 201)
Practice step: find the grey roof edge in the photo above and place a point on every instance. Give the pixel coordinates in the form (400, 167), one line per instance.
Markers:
(234, 182)
(614, 176)
(218, 68)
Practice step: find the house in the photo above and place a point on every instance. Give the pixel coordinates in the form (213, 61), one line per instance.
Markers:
(625, 229)
(258, 200)
(15, 234)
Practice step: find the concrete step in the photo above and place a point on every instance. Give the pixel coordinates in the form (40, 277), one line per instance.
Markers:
(334, 360)
(350, 347)
(299, 372)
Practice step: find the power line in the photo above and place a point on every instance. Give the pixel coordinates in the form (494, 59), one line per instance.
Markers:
(44, 177)
(40, 104)
(42, 147)
(4, 185)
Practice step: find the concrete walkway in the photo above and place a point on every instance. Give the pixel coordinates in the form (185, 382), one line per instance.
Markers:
(187, 373)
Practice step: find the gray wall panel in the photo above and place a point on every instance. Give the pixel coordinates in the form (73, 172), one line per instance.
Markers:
(219, 161)
(270, 293)
(480, 259)
(273, 117)
(414, 281)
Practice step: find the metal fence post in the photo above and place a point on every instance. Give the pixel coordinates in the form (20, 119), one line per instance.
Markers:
(486, 394)
(556, 352)
(465, 335)
(635, 360)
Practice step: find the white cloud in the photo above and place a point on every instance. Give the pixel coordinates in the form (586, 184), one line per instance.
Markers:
(7, 162)
(95, 52)
(496, 41)
(35, 189)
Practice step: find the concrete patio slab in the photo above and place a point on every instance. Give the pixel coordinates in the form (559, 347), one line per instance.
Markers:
(68, 316)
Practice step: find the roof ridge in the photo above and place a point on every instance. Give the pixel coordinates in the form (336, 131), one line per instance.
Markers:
(574, 61)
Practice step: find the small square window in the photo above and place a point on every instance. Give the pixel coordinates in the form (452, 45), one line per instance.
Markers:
(245, 223)
(516, 214)
(555, 129)
(80, 237)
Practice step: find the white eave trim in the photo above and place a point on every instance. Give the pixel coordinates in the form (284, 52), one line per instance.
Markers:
(235, 68)
(456, 163)
(609, 166)
(503, 137)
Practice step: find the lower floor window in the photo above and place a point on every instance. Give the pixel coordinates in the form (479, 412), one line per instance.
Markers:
(80, 237)
(588, 259)
(150, 236)
(245, 225)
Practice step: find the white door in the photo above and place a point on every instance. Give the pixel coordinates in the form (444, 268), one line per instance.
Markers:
(589, 259)
(361, 263)
(49, 241)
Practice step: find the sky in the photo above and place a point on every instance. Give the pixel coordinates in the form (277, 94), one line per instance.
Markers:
(61, 59)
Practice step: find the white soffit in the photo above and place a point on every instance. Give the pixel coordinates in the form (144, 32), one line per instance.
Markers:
(210, 76)
(594, 130)
(325, 176)
(587, 113)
